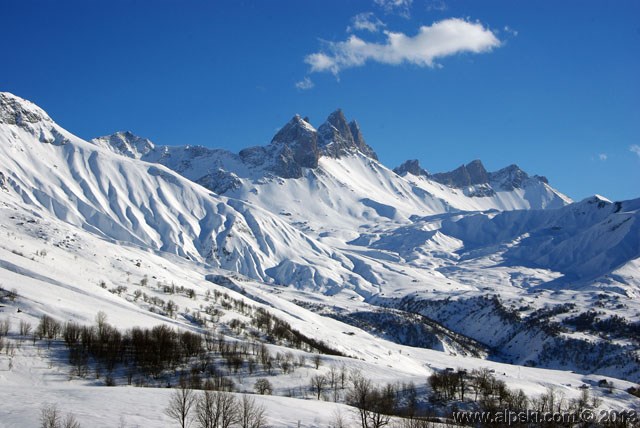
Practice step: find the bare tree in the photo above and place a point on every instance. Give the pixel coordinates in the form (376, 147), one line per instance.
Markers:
(333, 377)
(216, 409)
(338, 421)
(318, 384)
(228, 409)
(374, 405)
(5, 325)
(50, 416)
(262, 386)
(70, 421)
(180, 404)
(317, 360)
(25, 328)
(207, 411)
(252, 415)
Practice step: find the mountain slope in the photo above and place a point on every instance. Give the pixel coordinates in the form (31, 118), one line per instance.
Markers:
(126, 200)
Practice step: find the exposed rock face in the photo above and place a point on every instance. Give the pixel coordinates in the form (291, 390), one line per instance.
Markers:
(359, 142)
(220, 181)
(509, 178)
(126, 144)
(467, 175)
(484, 183)
(16, 111)
(337, 138)
(254, 156)
(285, 164)
(412, 166)
(295, 147)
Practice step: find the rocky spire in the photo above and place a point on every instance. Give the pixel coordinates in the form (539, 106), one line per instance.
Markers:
(359, 142)
(336, 137)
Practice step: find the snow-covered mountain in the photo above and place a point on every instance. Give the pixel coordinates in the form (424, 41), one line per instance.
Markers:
(490, 265)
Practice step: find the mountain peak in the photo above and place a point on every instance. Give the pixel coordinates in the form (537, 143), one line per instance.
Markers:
(464, 176)
(337, 137)
(411, 166)
(125, 143)
(339, 122)
(294, 147)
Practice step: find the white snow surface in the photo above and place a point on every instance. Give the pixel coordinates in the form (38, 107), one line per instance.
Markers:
(349, 235)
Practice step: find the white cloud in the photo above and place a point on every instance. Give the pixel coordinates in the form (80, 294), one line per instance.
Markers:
(441, 39)
(365, 21)
(305, 84)
(603, 156)
(635, 149)
(401, 7)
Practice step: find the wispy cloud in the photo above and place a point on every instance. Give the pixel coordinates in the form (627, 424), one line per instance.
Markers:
(436, 5)
(634, 148)
(365, 21)
(510, 31)
(603, 157)
(400, 7)
(305, 84)
(441, 39)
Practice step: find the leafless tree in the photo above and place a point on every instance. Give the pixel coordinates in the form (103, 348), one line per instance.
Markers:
(339, 421)
(70, 421)
(318, 384)
(180, 404)
(252, 415)
(374, 405)
(333, 377)
(262, 386)
(317, 360)
(216, 410)
(50, 417)
(25, 328)
(5, 325)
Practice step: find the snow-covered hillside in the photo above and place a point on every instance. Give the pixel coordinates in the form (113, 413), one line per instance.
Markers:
(400, 274)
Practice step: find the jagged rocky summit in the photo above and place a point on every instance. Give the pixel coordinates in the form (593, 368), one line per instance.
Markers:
(296, 146)
(474, 174)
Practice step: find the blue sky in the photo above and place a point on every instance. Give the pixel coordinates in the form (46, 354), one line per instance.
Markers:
(552, 86)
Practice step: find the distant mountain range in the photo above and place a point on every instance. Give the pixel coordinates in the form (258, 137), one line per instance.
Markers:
(315, 211)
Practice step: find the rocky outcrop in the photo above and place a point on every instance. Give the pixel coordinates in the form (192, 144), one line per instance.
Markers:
(16, 111)
(125, 143)
(467, 175)
(412, 166)
(220, 181)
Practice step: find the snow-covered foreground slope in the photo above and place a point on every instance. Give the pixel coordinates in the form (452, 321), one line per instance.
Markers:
(402, 275)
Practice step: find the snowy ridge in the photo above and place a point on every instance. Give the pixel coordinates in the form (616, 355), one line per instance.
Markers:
(148, 205)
